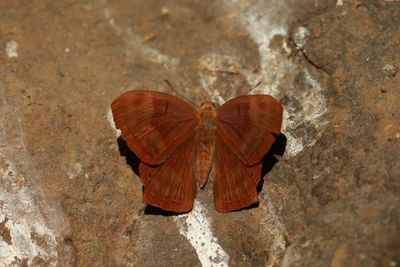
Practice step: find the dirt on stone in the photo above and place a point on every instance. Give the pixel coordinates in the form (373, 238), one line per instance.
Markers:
(68, 196)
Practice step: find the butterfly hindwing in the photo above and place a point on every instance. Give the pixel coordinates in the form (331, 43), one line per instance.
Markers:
(153, 124)
(171, 186)
(235, 184)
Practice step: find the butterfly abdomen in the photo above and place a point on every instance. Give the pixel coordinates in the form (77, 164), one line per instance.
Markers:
(205, 141)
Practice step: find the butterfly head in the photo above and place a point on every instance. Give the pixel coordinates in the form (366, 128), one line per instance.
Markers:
(208, 105)
(207, 114)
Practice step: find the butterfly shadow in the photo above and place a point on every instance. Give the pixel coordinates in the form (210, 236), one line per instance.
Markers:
(269, 160)
(133, 161)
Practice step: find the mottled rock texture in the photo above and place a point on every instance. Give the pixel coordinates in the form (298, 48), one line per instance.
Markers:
(68, 196)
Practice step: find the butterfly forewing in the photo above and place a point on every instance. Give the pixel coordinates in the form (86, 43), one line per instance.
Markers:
(153, 124)
(247, 125)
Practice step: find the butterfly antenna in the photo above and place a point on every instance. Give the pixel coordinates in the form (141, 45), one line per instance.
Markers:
(170, 85)
(254, 87)
(172, 88)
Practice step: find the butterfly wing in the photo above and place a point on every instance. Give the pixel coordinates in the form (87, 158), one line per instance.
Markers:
(247, 125)
(171, 186)
(159, 129)
(235, 184)
(153, 124)
(245, 132)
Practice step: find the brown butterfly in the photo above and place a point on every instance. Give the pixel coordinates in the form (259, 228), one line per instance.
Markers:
(176, 142)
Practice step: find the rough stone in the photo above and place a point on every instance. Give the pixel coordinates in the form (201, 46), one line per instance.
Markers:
(68, 196)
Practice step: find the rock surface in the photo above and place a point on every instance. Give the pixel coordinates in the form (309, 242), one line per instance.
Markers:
(69, 198)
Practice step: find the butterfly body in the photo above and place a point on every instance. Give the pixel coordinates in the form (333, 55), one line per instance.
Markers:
(205, 141)
(178, 144)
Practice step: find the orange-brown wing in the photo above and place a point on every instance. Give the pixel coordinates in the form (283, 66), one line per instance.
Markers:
(235, 184)
(246, 125)
(170, 186)
(153, 124)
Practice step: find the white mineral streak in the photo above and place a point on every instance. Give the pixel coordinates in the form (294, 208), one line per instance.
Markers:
(11, 49)
(75, 171)
(31, 237)
(196, 227)
(22, 218)
(313, 109)
(134, 41)
(277, 230)
(110, 119)
(300, 36)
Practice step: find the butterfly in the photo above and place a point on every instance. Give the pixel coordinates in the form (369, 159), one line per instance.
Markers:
(178, 145)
